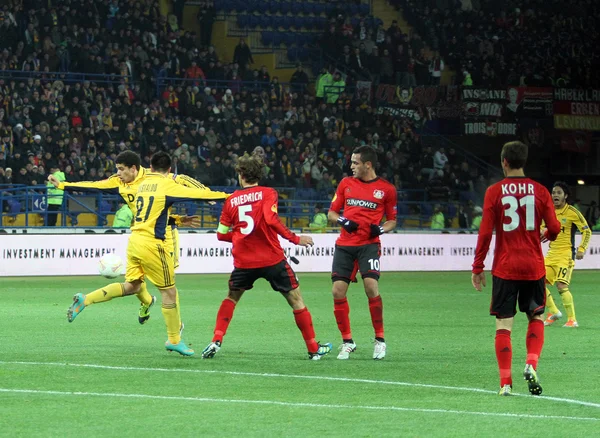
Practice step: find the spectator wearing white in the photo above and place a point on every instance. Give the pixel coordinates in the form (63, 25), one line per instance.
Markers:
(436, 66)
(316, 172)
(440, 159)
(228, 97)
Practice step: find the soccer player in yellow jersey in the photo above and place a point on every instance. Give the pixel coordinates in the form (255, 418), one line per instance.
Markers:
(125, 183)
(148, 254)
(560, 258)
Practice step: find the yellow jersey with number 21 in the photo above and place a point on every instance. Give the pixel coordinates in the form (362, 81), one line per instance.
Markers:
(154, 199)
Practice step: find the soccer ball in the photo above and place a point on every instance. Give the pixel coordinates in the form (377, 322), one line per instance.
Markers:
(110, 266)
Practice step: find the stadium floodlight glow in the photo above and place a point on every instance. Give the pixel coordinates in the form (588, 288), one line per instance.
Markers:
(581, 182)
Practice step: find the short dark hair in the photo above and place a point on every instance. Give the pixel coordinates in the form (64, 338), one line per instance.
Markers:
(160, 162)
(129, 159)
(251, 168)
(515, 153)
(565, 188)
(367, 153)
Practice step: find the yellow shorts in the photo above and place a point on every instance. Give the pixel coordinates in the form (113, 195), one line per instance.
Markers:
(151, 259)
(559, 269)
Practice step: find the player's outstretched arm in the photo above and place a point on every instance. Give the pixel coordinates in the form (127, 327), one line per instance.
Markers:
(178, 192)
(106, 185)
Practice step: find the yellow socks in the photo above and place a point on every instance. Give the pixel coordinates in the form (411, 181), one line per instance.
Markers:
(550, 306)
(567, 300)
(107, 293)
(171, 314)
(143, 295)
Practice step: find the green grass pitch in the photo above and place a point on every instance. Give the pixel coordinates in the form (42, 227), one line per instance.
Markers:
(105, 375)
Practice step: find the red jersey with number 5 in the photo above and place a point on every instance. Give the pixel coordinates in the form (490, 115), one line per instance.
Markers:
(364, 202)
(515, 208)
(251, 214)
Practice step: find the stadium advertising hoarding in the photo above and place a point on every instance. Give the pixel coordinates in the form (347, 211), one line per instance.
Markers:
(78, 254)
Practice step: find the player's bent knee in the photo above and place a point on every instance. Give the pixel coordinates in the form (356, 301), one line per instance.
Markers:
(131, 287)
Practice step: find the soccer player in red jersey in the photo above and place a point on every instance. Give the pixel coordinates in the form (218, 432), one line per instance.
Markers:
(250, 222)
(515, 208)
(365, 199)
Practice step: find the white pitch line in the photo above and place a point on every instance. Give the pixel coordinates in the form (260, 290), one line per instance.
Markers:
(297, 376)
(294, 404)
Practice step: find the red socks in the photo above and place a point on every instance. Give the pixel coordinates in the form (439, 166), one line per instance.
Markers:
(376, 308)
(534, 341)
(304, 323)
(341, 310)
(504, 356)
(224, 316)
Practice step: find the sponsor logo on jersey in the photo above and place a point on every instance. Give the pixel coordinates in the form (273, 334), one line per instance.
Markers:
(378, 194)
(361, 203)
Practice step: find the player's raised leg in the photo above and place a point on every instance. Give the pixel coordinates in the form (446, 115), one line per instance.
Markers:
(106, 293)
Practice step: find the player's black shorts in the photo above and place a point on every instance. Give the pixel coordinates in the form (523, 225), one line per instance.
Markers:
(348, 260)
(530, 294)
(281, 277)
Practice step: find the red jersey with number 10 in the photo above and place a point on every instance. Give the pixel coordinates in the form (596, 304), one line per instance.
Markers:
(364, 202)
(515, 208)
(251, 213)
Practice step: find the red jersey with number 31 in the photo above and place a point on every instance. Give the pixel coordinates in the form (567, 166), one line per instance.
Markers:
(364, 202)
(251, 213)
(515, 208)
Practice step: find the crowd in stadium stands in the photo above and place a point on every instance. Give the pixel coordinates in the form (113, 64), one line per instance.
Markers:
(388, 56)
(526, 42)
(49, 121)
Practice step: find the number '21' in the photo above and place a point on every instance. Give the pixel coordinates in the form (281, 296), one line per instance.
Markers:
(512, 204)
(139, 203)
